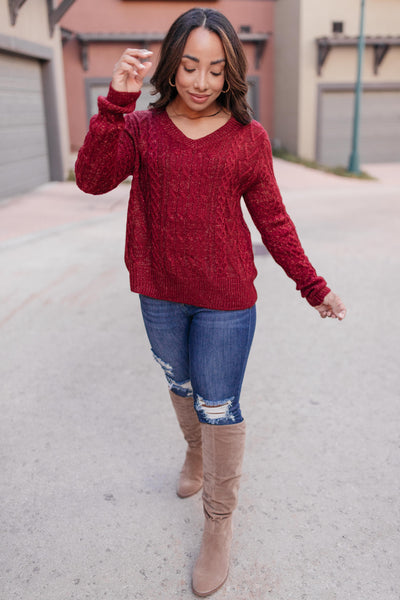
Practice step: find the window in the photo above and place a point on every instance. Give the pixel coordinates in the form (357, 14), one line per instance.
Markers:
(253, 95)
(96, 87)
(337, 27)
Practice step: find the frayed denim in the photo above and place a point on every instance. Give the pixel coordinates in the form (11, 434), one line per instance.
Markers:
(203, 353)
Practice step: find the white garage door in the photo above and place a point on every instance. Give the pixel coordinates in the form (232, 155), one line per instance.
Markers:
(23, 148)
(379, 136)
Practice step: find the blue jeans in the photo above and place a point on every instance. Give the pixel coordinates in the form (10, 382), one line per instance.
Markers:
(203, 353)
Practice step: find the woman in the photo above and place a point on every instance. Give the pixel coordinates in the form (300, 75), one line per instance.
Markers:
(192, 157)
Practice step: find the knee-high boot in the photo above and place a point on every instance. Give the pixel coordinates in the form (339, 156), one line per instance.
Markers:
(191, 476)
(223, 449)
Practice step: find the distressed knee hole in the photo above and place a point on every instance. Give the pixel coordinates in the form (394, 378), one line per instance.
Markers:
(181, 388)
(214, 412)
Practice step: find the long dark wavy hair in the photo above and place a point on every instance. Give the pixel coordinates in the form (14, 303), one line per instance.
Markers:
(234, 100)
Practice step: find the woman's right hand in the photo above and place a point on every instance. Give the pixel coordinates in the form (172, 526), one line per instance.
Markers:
(129, 71)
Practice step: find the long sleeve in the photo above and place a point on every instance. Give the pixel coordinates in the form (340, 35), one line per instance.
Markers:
(186, 239)
(264, 202)
(108, 155)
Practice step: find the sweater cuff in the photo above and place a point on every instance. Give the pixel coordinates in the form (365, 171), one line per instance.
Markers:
(317, 297)
(118, 102)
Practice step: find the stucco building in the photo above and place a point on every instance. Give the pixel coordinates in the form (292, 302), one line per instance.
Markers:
(94, 40)
(33, 119)
(315, 73)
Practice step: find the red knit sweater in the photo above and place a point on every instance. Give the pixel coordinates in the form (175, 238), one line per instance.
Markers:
(186, 238)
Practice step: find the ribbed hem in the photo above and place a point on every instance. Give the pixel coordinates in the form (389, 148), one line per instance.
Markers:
(229, 295)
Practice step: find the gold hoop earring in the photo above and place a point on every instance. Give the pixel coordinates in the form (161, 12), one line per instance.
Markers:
(227, 90)
(170, 82)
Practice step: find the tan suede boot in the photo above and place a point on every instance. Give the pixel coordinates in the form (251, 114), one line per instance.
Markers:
(191, 476)
(223, 449)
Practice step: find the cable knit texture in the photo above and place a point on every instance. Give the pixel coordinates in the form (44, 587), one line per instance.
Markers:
(186, 238)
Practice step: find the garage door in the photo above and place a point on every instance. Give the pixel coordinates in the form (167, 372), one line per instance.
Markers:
(379, 127)
(23, 148)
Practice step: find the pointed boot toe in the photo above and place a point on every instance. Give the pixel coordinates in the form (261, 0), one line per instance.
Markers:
(212, 567)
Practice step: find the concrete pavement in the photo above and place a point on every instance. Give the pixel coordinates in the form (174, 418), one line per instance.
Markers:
(89, 443)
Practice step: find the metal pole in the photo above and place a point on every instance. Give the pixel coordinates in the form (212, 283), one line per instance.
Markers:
(354, 163)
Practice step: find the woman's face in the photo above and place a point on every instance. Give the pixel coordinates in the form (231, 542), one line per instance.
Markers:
(200, 77)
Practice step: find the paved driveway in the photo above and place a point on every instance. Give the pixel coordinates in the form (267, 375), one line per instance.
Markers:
(89, 444)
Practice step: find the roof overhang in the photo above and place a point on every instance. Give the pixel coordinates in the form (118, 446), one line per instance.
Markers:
(259, 40)
(380, 45)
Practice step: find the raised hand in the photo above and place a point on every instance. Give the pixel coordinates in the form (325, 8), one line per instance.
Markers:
(332, 307)
(130, 71)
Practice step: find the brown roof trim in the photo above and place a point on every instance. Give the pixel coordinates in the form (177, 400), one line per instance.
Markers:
(380, 44)
(258, 39)
(97, 37)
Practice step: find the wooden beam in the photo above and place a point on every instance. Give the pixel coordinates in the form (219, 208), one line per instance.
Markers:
(14, 6)
(323, 51)
(380, 51)
(380, 45)
(259, 40)
(55, 14)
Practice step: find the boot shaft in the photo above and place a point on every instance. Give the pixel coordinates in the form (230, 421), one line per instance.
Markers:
(223, 451)
(187, 419)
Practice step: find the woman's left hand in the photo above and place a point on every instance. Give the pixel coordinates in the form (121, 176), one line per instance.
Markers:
(332, 307)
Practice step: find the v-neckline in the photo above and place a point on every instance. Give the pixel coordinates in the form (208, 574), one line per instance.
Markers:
(175, 129)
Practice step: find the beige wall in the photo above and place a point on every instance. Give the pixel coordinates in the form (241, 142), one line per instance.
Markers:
(32, 26)
(32, 22)
(382, 17)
